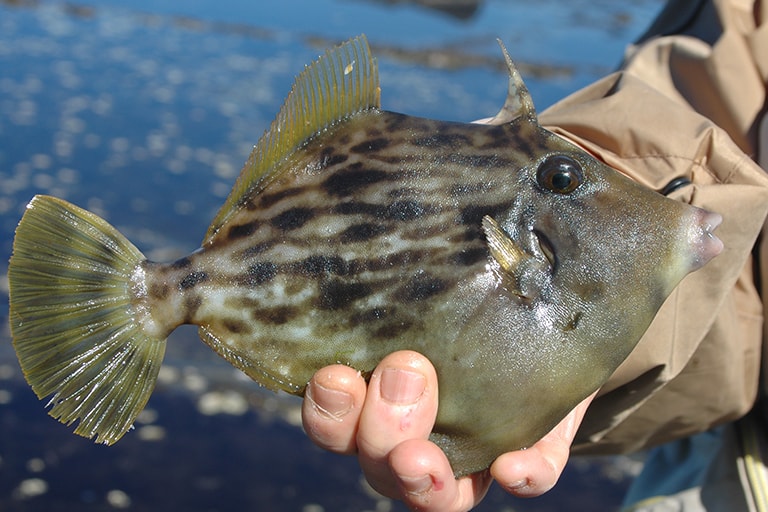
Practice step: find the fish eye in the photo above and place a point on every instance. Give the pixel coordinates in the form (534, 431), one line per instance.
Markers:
(559, 174)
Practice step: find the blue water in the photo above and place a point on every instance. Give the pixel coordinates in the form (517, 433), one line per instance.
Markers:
(143, 112)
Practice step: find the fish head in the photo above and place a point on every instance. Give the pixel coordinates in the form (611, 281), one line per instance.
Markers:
(593, 252)
(579, 265)
(579, 230)
(581, 259)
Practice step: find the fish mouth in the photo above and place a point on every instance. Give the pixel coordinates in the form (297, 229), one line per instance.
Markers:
(706, 245)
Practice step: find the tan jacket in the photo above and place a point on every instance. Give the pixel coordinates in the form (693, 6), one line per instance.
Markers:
(687, 106)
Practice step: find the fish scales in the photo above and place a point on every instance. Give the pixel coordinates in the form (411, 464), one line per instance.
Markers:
(522, 267)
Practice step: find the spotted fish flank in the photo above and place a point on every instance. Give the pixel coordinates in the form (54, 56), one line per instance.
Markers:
(506, 255)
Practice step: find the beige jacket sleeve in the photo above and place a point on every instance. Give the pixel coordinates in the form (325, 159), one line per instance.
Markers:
(687, 106)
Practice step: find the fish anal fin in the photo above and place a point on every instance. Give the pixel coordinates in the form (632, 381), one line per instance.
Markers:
(342, 82)
(248, 365)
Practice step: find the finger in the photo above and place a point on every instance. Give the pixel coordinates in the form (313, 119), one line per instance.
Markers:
(331, 410)
(401, 404)
(426, 480)
(532, 472)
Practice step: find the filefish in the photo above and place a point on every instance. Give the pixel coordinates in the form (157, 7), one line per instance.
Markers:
(522, 267)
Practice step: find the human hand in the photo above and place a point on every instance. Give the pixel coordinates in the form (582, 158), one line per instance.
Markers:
(387, 423)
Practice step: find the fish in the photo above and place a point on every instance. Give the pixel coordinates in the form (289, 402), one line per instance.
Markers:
(524, 268)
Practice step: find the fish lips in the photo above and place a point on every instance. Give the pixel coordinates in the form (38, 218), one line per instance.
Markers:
(704, 244)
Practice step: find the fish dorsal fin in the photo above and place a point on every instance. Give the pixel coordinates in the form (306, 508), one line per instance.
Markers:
(343, 81)
(519, 102)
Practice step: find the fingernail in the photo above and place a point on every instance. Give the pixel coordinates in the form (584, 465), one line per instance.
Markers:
(518, 485)
(416, 485)
(331, 403)
(401, 387)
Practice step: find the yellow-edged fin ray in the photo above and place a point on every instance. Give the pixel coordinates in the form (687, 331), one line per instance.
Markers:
(514, 261)
(73, 322)
(503, 249)
(341, 82)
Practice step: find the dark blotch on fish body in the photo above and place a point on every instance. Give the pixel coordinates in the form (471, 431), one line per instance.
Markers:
(192, 303)
(444, 140)
(159, 290)
(319, 265)
(347, 181)
(259, 273)
(269, 199)
(362, 232)
(371, 146)
(406, 210)
(359, 208)
(337, 294)
(372, 315)
(468, 257)
(392, 330)
(236, 326)
(329, 157)
(278, 315)
(422, 286)
(242, 230)
(473, 215)
(257, 249)
(193, 279)
(293, 218)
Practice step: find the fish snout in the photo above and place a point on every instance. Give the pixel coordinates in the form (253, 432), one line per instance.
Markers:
(704, 244)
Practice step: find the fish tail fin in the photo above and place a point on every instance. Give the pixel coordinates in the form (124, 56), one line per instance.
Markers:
(75, 327)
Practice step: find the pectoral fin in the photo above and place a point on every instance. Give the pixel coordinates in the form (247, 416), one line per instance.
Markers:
(504, 250)
(513, 260)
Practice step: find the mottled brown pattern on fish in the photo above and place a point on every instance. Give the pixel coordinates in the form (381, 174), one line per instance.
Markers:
(329, 248)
